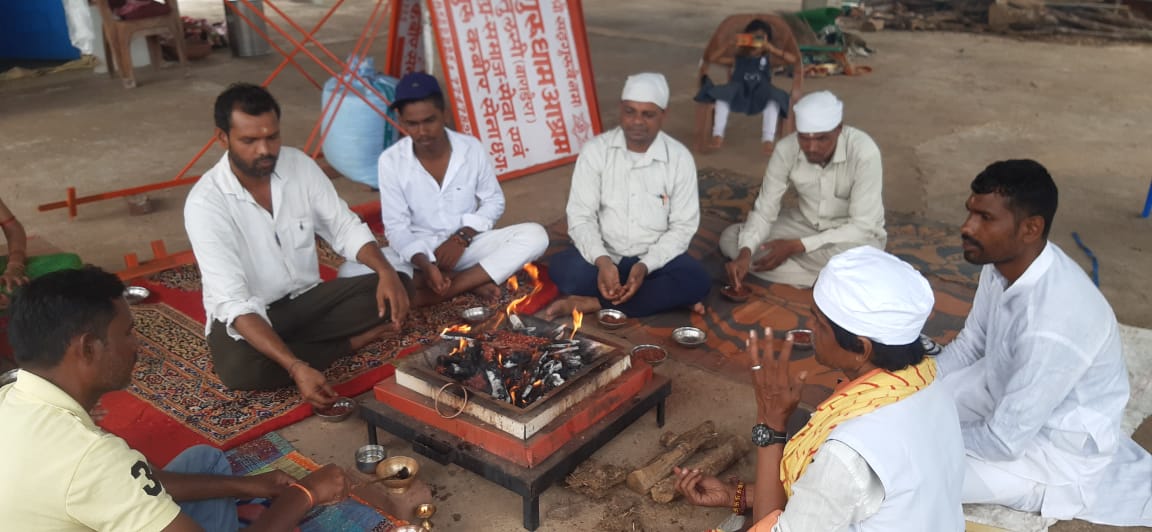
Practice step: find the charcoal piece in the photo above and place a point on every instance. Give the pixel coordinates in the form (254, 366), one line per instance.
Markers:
(496, 384)
(554, 380)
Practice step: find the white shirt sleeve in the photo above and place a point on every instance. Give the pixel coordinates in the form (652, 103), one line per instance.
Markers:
(838, 488)
(489, 195)
(969, 345)
(584, 202)
(335, 222)
(767, 207)
(683, 215)
(216, 246)
(865, 201)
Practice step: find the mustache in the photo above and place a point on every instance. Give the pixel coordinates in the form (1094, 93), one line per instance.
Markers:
(970, 240)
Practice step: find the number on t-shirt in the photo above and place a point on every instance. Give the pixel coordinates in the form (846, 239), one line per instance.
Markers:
(141, 468)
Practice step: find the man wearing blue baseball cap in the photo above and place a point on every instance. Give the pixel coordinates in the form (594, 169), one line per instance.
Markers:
(440, 201)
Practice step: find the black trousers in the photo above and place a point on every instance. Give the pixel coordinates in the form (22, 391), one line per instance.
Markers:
(316, 326)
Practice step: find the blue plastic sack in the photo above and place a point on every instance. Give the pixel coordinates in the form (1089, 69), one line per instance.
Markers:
(357, 134)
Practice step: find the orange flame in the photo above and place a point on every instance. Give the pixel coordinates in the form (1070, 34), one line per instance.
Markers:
(577, 319)
(460, 348)
(537, 286)
(457, 328)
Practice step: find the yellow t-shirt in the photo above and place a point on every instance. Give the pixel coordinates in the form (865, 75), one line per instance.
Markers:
(61, 472)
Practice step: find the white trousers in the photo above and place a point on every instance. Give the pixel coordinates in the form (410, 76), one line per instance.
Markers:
(768, 127)
(499, 252)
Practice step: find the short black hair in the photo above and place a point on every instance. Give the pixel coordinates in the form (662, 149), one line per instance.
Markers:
(437, 100)
(759, 24)
(1027, 185)
(248, 98)
(884, 356)
(52, 310)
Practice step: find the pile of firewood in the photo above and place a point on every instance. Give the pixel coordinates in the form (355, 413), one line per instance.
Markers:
(1096, 19)
(700, 448)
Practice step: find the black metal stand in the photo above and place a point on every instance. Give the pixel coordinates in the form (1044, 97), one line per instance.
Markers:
(529, 483)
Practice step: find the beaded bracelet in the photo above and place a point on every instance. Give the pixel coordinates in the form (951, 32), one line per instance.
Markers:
(311, 499)
(738, 499)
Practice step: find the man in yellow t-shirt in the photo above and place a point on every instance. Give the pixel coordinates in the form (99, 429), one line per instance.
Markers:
(73, 336)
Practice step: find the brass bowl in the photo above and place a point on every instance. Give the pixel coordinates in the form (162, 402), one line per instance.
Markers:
(393, 465)
(476, 315)
(339, 411)
(611, 318)
(136, 294)
(689, 336)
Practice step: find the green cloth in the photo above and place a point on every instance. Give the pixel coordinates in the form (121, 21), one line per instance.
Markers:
(43, 264)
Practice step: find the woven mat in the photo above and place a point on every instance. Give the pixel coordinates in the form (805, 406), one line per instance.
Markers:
(726, 198)
(272, 451)
(175, 399)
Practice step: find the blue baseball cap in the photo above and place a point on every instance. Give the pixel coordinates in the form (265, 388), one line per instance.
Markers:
(415, 86)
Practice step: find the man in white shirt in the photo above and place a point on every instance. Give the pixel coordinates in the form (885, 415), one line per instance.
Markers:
(74, 339)
(883, 452)
(838, 178)
(632, 210)
(253, 221)
(1037, 372)
(439, 201)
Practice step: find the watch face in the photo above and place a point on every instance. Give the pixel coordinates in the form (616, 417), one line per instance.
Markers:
(763, 436)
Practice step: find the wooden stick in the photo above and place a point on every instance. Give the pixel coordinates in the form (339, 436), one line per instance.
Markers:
(711, 463)
(642, 480)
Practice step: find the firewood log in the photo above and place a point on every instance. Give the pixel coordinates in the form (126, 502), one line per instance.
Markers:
(642, 480)
(711, 463)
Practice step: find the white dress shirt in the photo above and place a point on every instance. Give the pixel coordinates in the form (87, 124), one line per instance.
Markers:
(419, 214)
(250, 258)
(645, 206)
(841, 201)
(1052, 385)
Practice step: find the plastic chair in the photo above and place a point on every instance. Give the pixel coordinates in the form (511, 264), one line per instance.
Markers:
(721, 51)
(118, 35)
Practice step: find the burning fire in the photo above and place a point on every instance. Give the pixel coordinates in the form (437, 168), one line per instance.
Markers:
(463, 329)
(514, 285)
(577, 319)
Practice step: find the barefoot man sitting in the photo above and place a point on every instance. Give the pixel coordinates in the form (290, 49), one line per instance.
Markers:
(632, 211)
(252, 221)
(439, 201)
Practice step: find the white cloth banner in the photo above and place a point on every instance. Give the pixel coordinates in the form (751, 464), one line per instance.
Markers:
(519, 78)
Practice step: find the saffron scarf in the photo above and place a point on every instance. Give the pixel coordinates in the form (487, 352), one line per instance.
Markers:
(870, 391)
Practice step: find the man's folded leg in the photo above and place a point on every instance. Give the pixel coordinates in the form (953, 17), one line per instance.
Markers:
(681, 283)
(502, 252)
(210, 514)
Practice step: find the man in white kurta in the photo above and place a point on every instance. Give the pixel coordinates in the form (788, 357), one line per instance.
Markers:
(632, 210)
(1037, 372)
(440, 201)
(838, 178)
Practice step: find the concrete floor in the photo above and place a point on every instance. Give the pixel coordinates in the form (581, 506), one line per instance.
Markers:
(940, 105)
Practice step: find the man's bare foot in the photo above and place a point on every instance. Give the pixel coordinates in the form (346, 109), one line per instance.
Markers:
(698, 308)
(716, 143)
(488, 292)
(565, 305)
(367, 337)
(769, 147)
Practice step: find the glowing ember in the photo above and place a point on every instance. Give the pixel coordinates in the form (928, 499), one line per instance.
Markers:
(577, 319)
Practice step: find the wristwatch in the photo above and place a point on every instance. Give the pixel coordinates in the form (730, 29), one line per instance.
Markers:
(465, 237)
(763, 436)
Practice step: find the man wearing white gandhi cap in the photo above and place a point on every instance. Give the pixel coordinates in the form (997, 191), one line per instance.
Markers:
(837, 175)
(632, 210)
(884, 451)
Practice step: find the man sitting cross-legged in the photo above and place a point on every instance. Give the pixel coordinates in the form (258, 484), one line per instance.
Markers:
(439, 201)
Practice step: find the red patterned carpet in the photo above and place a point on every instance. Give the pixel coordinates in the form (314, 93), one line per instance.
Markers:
(175, 399)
